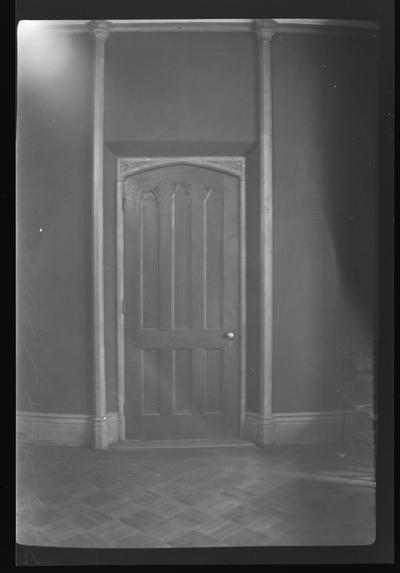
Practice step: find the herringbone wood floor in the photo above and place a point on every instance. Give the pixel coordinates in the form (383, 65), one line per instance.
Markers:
(72, 497)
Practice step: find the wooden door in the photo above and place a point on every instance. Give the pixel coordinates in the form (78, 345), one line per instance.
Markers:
(182, 303)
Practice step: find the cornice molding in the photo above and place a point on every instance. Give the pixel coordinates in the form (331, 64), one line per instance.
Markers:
(278, 25)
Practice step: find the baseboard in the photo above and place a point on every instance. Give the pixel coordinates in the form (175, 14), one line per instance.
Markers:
(62, 429)
(293, 428)
(307, 427)
(278, 429)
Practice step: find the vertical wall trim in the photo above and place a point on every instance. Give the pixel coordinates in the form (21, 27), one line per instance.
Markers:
(120, 310)
(265, 30)
(243, 309)
(100, 31)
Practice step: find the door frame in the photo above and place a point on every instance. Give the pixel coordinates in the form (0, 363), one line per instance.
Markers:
(127, 167)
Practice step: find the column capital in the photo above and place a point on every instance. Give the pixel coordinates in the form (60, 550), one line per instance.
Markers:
(99, 28)
(264, 29)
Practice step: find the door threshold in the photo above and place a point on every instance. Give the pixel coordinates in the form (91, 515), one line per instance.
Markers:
(182, 443)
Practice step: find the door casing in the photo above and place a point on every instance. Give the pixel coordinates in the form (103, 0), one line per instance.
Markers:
(130, 166)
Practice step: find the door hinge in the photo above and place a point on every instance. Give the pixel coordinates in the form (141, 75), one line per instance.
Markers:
(123, 306)
(124, 409)
(123, 201)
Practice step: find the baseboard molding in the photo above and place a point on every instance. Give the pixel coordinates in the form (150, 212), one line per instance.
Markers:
(293, 428)
(279, 429)
(62, 429)
(307, 427)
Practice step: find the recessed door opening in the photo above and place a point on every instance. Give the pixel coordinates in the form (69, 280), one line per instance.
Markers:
(183, 286)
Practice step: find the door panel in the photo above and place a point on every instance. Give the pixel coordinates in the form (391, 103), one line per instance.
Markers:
(213, 258)
(181, 296)
(182, 381)
(150, 381)
(149, 260)
(180, 257)
(214, 383)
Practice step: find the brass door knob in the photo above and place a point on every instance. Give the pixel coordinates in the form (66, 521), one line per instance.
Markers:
(229, 335)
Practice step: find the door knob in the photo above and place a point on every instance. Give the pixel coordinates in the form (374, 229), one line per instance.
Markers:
(230, 335)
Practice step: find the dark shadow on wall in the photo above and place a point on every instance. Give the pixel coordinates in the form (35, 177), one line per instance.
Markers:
(324, 101)
(350, 203)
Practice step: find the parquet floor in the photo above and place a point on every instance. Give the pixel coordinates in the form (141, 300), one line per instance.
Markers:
(72, 497)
